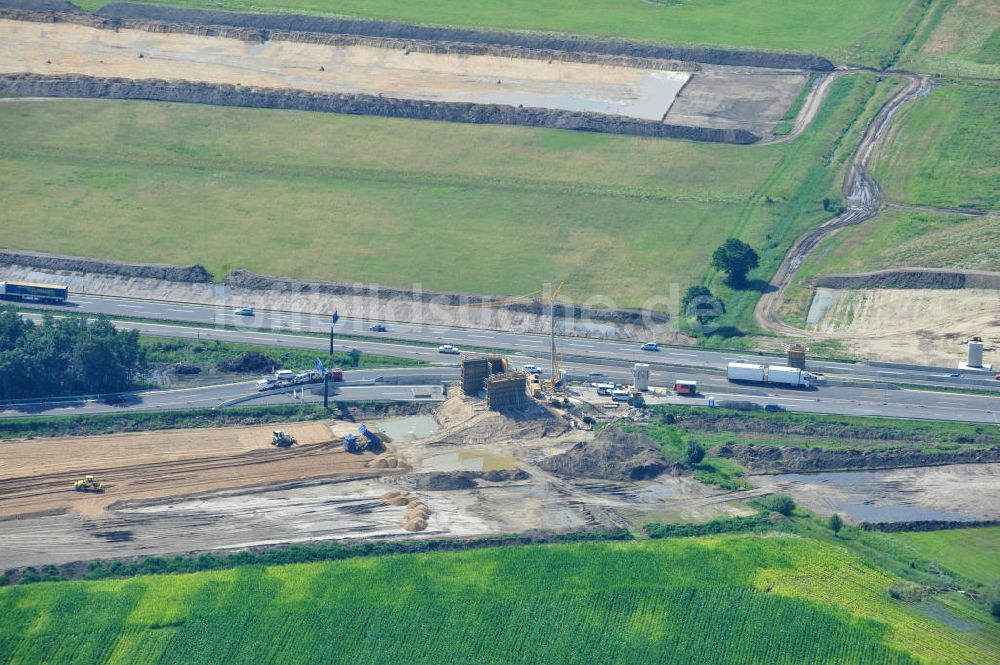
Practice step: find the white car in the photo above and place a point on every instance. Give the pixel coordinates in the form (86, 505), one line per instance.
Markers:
(650, 346)
(266, 384)
(532, 369)
(448, 348)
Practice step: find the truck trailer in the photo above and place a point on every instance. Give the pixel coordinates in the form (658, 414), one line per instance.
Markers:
(771, 375)
(52, 293)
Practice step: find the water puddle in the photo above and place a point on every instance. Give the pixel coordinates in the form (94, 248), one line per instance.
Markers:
(866, 496)
(464, 460)
(409, 428)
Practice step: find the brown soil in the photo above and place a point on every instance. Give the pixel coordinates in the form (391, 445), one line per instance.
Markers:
(38, 476)
(612, 455)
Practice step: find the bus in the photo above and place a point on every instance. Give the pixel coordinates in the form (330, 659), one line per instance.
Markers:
(52, 293)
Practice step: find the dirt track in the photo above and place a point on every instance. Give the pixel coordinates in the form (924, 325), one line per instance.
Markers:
(37, 476)
(864, 201)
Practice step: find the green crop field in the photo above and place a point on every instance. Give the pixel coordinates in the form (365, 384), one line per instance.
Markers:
(451, 207)
(945, 149)
(849, 32)
(957, 38)
(971, 553)
(748, 599)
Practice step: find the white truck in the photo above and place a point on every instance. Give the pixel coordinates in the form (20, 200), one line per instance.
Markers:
(770, 374)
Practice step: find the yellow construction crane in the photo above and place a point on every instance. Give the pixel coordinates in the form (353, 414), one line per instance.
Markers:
(541, 297)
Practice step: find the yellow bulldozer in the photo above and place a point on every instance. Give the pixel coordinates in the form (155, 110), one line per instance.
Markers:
(88, 484)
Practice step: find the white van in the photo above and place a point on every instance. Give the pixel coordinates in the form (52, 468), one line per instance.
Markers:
(620, 395)
(284, 375)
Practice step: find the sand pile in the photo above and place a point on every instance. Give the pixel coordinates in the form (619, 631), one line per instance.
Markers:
(417, 512)
(612, 455)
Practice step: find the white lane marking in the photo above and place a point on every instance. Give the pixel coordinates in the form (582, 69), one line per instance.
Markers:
(186, 311)
(82, 302)
(480, 336)
(674, 353)
(586, 346)
(531, 341)
(133, 306)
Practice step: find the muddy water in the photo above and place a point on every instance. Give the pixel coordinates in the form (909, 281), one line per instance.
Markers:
(410, 428)
(467, 460)
(961, 492)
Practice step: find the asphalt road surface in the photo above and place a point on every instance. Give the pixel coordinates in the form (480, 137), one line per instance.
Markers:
(263, 325)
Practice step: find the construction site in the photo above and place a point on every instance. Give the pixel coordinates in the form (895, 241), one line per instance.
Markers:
(69, 53)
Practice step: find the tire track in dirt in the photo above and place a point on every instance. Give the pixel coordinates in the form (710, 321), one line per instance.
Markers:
(864, 201)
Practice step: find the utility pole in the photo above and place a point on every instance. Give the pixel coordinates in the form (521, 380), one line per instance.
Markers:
(333, 321)
(326, 374)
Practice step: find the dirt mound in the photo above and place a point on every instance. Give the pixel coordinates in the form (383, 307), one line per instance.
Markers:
(913, 278)
(251, 361)
(463, 480)
(612, 455)
(34, 85)
(789, 459)
(56, 262)
(369, 28)
(40, 5)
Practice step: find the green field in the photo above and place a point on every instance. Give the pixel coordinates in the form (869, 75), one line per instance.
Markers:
(945, 149)
(450, 207)
(849, 32)
(209, 355)
(748, 599)
(972, 553)
(957, 38)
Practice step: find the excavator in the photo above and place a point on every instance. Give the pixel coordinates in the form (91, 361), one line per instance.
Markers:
(88, 484)
(281, 440)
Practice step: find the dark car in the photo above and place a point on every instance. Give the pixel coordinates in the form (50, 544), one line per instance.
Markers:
(378, 327)
(774, 408)
(598, 374)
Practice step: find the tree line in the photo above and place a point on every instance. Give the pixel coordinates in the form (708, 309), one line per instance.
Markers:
(67, 356)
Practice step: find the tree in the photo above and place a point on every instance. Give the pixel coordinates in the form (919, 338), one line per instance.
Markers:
(835, 523)
(994, 601)
(736, 259)
(701, 303)
(695, 452)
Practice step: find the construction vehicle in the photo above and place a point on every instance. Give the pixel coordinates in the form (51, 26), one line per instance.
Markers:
(88, 484)
(353, 444)
(281, 439)
(557, 378)
(374, 441)
(771, 374)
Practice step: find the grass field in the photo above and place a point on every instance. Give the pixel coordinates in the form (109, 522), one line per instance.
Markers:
(902, 238)
(773, 599)
(452, 207)
(210, 354)
(849, 32)
(971, 553)
(945, 149)
(957, 38)
(713, 427)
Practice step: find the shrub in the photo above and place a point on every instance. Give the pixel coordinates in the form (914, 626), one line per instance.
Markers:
(695, 452)
(777, 503)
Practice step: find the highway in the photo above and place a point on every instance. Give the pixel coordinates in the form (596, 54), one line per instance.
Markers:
(381, 384)
(265, 324)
